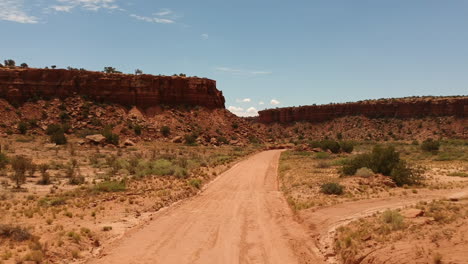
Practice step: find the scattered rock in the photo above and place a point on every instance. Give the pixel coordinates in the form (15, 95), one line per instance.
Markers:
(129, 143)
(177, 139)
(412, 213)
(96, 139)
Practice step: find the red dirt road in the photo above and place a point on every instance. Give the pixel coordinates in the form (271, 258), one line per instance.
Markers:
(240, 218)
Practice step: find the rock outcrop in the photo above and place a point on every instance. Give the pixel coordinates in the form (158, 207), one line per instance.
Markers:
(411, 107)
(143, 91)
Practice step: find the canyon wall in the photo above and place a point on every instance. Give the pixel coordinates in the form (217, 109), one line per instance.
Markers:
(411, 107)
(144, 91)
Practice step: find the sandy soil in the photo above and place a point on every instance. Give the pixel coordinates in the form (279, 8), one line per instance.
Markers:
(240, 218)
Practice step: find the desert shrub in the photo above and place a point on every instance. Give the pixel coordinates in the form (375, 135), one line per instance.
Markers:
(53, 128)
(3, 160)
(386, 161)
(222, 140)
(430, 145)
(111, 138)
(403, 175)
(190, 139)
(352, 165)
(322, 155)
(15, 233)
(20, 165)
(393, 218)
(137, 129)
(235, 126)
(76, 180)
(181, 173)
(331, 145)
(110, 186)
(364, 172)
(332, 188)
(162, 167)
(58, 138)
(52, 201)
(23, 127)
(347, 146)
(165, 131)
(196, 183)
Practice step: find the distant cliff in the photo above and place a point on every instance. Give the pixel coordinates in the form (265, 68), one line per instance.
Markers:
(411, 107)
(144, 91)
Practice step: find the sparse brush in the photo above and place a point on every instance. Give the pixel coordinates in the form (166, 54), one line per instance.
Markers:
(332, 188)
(364, 172)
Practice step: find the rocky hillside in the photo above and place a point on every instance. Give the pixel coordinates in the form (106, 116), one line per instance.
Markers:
(411, 107)
(18, 85)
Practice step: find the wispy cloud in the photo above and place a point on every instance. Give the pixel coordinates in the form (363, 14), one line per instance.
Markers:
(90, 5)
(261, 103)
(245, 100)
(204, 36)
(239, 111)
(163, 16)
(14, 11)
(241, 71)
(164, 12)
(153, 19)
(275, 102)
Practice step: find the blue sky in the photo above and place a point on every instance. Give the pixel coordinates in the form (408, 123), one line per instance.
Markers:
(263, 54)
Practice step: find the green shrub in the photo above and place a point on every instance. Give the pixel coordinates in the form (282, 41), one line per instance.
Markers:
(137, 129)
(331, 145)
(3, 160)
(190, 139)
(386, 161)
(347, 146)
(403, 175)
(430, 145)
(15, 233)
(162, 167)
(322, 155)
(364, 172)
(165, 131)
(54, 128)
(111, 138)
(332, 188)
(110, 186)
(394, 219)
(58, 138)
(23, 127)
(196, 183)
(20, 165)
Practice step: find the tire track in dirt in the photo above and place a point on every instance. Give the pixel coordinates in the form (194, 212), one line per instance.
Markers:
(240, 218)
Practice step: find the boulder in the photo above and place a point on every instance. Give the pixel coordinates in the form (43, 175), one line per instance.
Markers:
(412, 213)
(129, 143)
(96, 139)
(177, 139)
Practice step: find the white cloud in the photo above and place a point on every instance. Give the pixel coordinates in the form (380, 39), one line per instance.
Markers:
(163, 16)
(245, 100)
(239, 111)
(261, 72)
(153, 19)
(62, 8)
(13, 10)
(163, 12)
(241, 71)
(204, 36)
(274, 102)
(91, 5)
(261, 103)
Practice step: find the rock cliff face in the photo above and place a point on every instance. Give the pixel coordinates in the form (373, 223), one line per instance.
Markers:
(385, 108)
(144, 91)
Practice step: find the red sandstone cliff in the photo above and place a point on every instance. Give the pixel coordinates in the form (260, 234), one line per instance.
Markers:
(144, 91)
(389, 108)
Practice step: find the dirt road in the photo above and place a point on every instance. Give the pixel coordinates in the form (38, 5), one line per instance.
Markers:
(240, 218)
